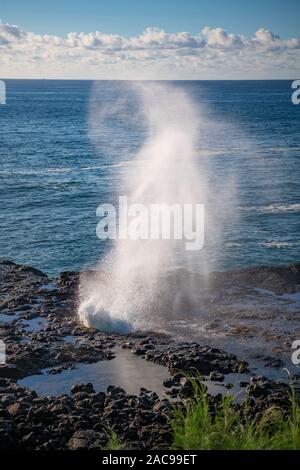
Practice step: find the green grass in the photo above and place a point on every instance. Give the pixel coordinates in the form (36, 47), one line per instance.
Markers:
(114, 443)
(203, 426)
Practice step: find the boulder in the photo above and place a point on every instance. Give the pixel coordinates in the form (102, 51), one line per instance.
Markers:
(87, 440)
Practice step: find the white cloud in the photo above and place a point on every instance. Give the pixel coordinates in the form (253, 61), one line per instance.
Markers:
(218, 37)
(155, 53)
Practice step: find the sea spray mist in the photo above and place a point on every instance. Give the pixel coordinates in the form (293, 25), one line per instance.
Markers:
(143, 281)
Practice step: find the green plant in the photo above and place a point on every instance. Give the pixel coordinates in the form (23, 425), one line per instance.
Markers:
(203, 425)
(114, 443)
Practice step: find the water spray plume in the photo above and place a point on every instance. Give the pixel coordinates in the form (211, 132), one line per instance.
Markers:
(132, 286)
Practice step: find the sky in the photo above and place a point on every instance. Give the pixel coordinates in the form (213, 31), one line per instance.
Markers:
(183, 39)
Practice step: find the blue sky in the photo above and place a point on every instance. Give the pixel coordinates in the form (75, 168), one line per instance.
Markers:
(130, 17)
(153, 39)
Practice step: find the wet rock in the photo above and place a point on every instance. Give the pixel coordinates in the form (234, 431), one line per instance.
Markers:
(7, 442)
(69, 279)
(131, 434)
(173, 392)
(172, 381)
(186, 391)
(184, 381)
(29, 440)
(138, 351)
(261, 387)
(98, 399)
(29, 269)
(82, 397)
(274, 362)
(216, 376)
(163, 406)
(18, 408)
(145, 402)
(191, 357)
(244, 384)
(10, 371)
(168, 383)
(86, 388)
(115, 392)
(8, 399)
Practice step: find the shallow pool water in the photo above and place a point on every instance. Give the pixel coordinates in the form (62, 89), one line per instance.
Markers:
(4, 318)
(34, 324)
(126, 370)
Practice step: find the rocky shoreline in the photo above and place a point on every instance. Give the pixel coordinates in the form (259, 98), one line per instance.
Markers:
(40, 329)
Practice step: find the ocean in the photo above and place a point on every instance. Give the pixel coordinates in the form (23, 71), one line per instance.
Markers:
(58, 164)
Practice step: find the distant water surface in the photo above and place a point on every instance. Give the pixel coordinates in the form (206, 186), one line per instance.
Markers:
(52, 176)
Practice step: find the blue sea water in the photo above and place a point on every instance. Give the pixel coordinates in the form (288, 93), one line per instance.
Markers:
(53, 175)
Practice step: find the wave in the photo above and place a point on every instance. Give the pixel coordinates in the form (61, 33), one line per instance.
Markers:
(279, 149)
(277, 244)
(272, 208)
(63, 170)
